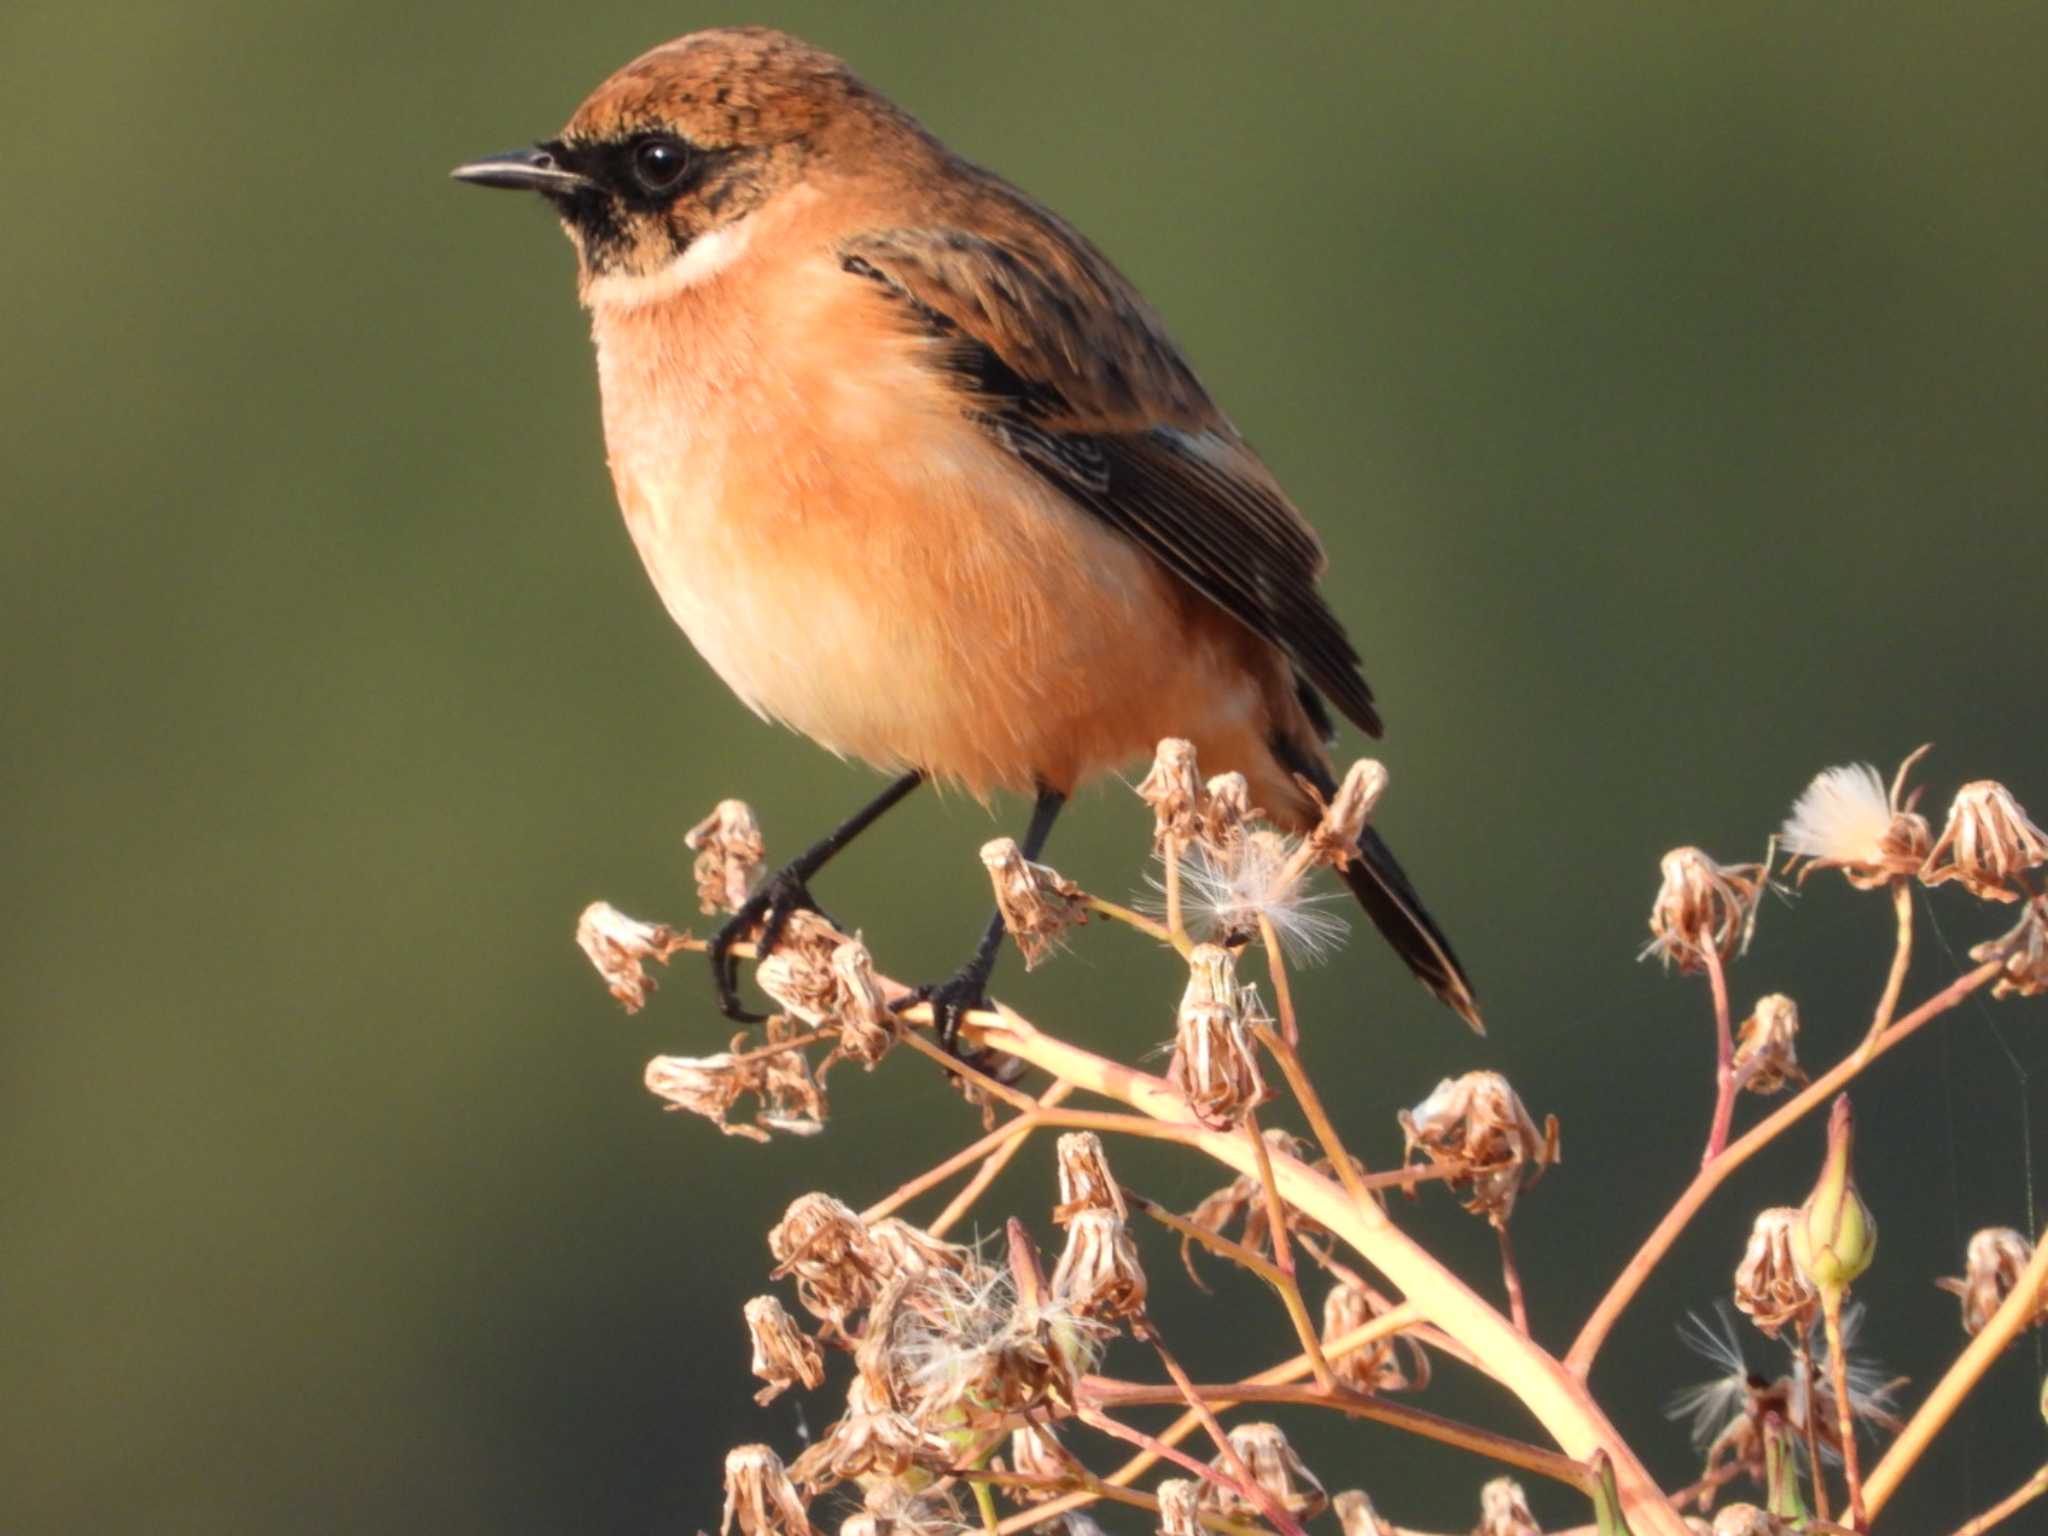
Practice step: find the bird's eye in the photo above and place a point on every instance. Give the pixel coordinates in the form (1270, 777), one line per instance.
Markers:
(659, 164)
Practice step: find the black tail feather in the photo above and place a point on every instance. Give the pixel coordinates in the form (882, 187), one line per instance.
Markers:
(1383, 889)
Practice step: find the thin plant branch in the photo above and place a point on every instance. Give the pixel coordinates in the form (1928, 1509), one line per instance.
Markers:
(993, 1165)
(2008, 1506)
(1726, 1084)
(1845, 1413)
(1511, 1278)
(1902, 960)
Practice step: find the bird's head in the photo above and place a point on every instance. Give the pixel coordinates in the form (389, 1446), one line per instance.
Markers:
(687, 141)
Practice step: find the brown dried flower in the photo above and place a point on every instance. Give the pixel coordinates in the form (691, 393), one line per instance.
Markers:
(1173, 788)
(1766, 1054)
(2022, 952)
(1993, 1264)
(703, 1085)
(1504, 1510)
(1215, 1064)
(1037, 903)
(903, 1249)
(1988, 844)
(871, 1439)
(867, 1026)
(617, 944)
(1747, 1520)
(1769, 1284)
(829, 983)
(1357, 1516)
(759, 1494)
(1845, 819)
(836, 1264)
(1085, 1180)
(1180, 1507)
(1035, 1451)
(791, 1100)
(1098, 1274)
(1226, 812)
(1393, 1364)
(1245, 1196)
(729, 852)
(784, 1355)
(1476, 1128)
(1334, 839)
(1275, 1467)
(1702, 905)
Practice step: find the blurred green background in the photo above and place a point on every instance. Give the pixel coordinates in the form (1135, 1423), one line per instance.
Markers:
(1667, 381)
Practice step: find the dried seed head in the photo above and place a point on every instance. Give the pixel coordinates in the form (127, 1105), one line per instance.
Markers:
(1993, 1264)
(1035, 1452)
(1846, 820)
(1246, 1197)
(1334, 839)
(729, 853)
(759, 1494)
(1215, 1064)
(1226, 891)
(872, 1439)
(2022, 954)
(1085, 1180)
(903, 1249)
(617, 944)
(1280, 1474)
(1988, 844)
(1226, 810)
(1180, 1507)
(1766, 1054)
(1356, 1514)
(1702, 905)
(1769, 1284)
(1836, 1236)
(1747, 1520)
(710, 1085)
(1099, 1275)
(1476, 1128)
(784, 1355)
(1174, 791)
(836, 1265)
(867, 1027)
(1392, 1364)
(1504, 1510)
(1037, 903)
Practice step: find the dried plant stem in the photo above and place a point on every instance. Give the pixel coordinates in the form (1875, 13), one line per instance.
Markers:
(1247, 1489)
(1902, 959)
(1094, 1488)
(1512, 1279)
(1838, 1370)
(994, 1163)
(1268, 1505)
(1813, 1464)
(2008, 1506)
(1725, 1082)
(1122, 914)
(1579, 1358)
(1557, 1399)
(1362, 1405)
(793, 1043)
(1283, 990)
(2017, 1310)
(1283, 1260)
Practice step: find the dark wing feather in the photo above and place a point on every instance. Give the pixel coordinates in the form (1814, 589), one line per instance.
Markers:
(1059, 360)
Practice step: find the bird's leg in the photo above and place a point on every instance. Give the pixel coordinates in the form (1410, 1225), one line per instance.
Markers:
(786, 891)
(967, 989)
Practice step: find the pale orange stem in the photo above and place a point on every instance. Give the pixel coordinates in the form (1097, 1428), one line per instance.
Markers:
(993, 1166)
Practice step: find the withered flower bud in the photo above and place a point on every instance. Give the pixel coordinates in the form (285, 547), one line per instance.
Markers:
(1245, 1197)
(759, 1494)
(1702, 905)
(1280, 1474)
(617, 944)
(1037, 903)
(791, 1098)
(903, 1249)
(2022, 954)
(1987, 844)
(829, 982)
(729, 852)
(1836, 1236)
(867, 1028)
(1393, 1364)
(705, 1085)
(1226, 809)
(871, 1440)
(1334, 839)
(1766, 1054)
(1085, 1180)
(784, 1355)
(1475, 1127)
(1747, 1520)
(1504, 1510)
(1215, 1064)
(1845, 820)
(1993, 1264)
(1099, 1275)
(1174, 791)
(1180, 1507)
(1769, 1284)
(1356, 1514)
(1035, 1452)
(836, 1265)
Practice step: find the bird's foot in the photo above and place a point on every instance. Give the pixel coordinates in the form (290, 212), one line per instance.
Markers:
(951, 1001)
(760, 919)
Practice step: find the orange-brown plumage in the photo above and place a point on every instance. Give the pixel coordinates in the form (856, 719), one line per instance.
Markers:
(916, 469)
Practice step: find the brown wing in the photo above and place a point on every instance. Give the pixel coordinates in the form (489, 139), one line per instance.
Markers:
(1059, 359)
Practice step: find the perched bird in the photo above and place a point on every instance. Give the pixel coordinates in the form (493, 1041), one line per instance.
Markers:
(921, 475)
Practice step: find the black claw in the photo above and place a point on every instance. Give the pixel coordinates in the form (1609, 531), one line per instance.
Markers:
(769, 910)
(952, 1000)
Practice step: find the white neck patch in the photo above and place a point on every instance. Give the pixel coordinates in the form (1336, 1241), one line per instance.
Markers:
(704, 258)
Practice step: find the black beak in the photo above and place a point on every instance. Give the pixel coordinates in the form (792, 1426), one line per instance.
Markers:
(527, 170)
